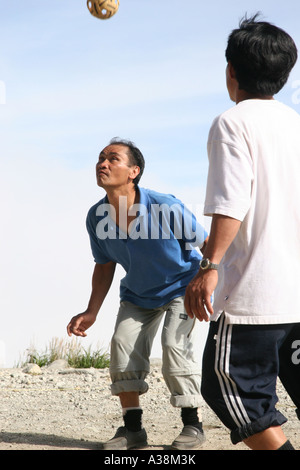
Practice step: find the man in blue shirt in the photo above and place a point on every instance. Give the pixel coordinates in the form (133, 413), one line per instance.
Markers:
(153, 236)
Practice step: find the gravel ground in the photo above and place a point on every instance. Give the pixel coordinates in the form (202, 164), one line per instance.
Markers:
(71, 409)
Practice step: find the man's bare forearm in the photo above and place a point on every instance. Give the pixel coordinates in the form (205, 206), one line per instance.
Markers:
(223, 231)
(199, 291)
(101, 281)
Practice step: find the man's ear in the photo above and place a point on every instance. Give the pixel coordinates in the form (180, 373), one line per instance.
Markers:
(135, 170)
(231, 70)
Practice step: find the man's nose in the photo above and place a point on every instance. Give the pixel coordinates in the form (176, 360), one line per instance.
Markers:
(103, 163)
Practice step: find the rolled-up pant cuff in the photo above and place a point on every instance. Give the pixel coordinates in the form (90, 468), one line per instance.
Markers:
(120, 386)
(186, 401)
(263, 423)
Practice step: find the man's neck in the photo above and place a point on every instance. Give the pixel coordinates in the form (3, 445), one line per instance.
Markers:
(114, 196)
(122, 199)
(242, 95)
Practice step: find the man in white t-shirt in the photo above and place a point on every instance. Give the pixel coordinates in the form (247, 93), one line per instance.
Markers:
(252, 259)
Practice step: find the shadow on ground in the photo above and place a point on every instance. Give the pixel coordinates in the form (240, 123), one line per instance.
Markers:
(23, 441)
(49, 440)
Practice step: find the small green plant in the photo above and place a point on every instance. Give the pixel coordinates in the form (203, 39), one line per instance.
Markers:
(71, 351)
(87, 358)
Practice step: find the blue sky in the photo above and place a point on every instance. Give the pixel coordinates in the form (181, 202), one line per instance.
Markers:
(154, 73)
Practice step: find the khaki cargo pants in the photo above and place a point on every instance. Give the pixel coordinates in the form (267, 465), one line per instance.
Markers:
(131, 346)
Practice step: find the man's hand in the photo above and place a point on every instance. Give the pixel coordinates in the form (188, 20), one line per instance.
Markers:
(198, 295)
(102, 278)
(80, 323)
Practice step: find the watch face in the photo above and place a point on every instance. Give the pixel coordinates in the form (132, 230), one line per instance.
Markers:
(204, 263)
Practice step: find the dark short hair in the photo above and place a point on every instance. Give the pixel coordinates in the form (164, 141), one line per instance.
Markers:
(262, 56)
(135, 155)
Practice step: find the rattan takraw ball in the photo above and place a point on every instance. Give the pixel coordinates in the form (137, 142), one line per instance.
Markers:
(103, 9)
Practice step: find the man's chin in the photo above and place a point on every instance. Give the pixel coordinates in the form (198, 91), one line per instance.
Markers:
(100, 183)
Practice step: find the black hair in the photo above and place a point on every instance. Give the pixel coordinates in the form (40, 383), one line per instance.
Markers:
(135, 155)
(262, 56)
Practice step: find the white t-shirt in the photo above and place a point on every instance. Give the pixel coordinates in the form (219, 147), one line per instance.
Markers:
(254, 176)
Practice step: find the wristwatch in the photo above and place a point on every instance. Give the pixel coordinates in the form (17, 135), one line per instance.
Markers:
(205, 264)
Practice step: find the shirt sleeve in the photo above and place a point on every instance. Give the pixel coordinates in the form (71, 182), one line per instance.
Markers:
(99, 255)
(230, 173)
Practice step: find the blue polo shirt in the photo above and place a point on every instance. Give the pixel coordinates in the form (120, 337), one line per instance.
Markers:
(158, 254)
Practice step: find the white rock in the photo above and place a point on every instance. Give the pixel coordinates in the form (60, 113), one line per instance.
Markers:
(58, 364)
(32, 369)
